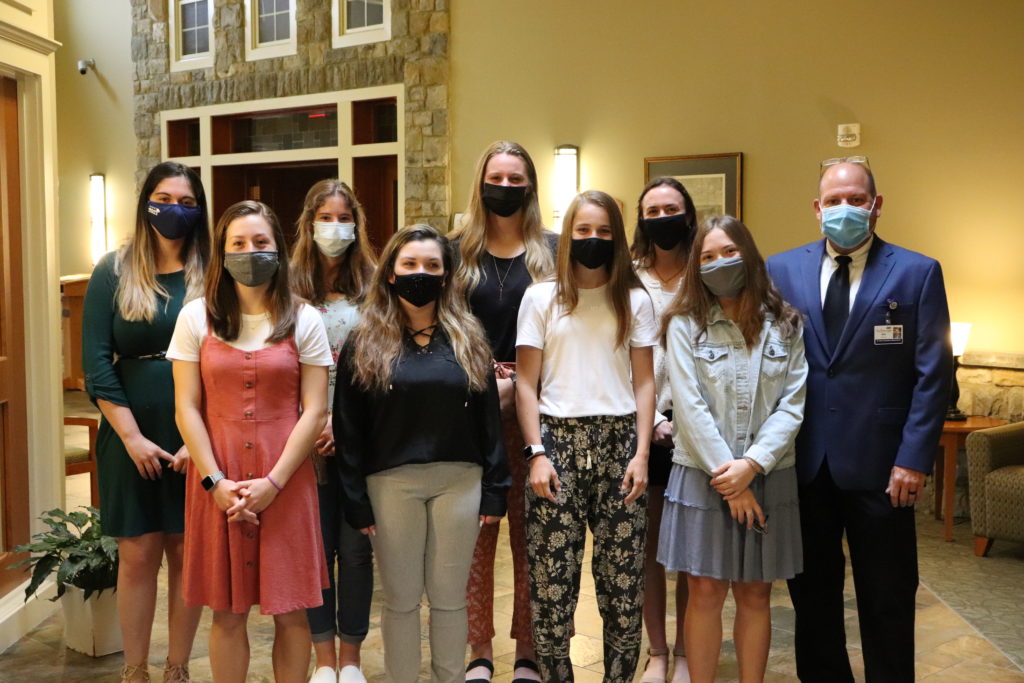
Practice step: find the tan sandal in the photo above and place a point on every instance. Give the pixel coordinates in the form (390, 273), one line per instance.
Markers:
(677, 654)
(176, 673)
(128, 672)
(655, 652)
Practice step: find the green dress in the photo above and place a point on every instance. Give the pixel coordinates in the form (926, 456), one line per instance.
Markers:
(132, 505)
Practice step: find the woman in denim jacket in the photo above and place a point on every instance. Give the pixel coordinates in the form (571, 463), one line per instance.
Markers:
(737, 370)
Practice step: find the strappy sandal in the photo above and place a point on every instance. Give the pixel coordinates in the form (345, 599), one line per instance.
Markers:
(486, 663)
(525, 664)
(677, 654)
(176, 673)
(655, 652)
(129, 671)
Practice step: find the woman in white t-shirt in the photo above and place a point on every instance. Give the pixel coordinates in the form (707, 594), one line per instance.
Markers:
(585, 397)
(250, 377)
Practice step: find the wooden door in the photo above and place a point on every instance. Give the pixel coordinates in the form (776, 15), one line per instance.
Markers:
(14, 511)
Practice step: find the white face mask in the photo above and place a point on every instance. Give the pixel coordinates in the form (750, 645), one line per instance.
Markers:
(333, 238)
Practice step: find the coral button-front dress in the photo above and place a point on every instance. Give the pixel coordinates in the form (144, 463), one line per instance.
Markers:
(251, 402)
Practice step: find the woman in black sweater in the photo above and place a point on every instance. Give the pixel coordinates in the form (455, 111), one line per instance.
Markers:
(420, 453)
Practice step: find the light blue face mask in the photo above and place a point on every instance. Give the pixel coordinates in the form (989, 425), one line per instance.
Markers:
(845, 225)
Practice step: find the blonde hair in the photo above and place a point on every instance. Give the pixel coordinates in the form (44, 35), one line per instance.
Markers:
(138, 290)
(472, 234)
(357, 263)
(621, 276)
(378, 336)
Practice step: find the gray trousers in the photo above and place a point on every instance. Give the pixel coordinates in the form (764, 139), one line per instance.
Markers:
(427, 519)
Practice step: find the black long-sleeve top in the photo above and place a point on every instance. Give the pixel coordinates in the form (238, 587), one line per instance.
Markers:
(428, 414)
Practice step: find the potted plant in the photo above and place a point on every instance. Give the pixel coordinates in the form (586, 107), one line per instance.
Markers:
(86, 564)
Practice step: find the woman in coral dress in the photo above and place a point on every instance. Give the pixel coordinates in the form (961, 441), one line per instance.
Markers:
(250, 372)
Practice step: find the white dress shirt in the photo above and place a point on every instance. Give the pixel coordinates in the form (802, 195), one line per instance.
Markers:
(859, 259)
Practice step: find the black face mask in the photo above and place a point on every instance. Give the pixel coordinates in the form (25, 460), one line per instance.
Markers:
(668, 231)
(419, 289)
(503, 200)
(251, 268)
(592, 252)
(173, 221)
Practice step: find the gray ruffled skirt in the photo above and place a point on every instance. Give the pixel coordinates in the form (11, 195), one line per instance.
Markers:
(699, 536)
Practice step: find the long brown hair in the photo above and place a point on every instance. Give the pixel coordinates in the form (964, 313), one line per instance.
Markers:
(353, 274)
(642, 247)
(378, 335)
(472, 234)
(138, 289)
(223, 313)
(759, 295)
(621, 277)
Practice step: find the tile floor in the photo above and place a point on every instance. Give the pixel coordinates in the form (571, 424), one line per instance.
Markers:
(970, 626)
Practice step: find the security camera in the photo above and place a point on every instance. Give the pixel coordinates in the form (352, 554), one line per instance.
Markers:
(85, 64)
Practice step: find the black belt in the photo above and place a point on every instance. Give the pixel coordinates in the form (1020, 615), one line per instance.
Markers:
(162, 355)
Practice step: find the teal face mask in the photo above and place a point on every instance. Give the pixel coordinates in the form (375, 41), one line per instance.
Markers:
(846, 226)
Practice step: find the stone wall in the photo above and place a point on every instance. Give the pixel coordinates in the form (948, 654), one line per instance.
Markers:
(416, 55)
(992, 384)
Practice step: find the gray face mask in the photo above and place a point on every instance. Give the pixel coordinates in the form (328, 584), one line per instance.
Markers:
(725, 276)
(251, 268)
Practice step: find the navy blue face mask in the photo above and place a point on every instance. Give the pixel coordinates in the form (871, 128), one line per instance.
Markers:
(173, 221)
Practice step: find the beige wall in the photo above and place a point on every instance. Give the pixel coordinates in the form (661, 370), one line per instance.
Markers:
(935, 85)
(95, 132)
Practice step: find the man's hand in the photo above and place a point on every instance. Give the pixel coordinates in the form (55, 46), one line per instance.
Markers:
(904, 486)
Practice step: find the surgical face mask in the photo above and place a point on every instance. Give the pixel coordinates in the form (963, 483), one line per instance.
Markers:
(845, 225)
(173, 221)
(725, 276)
(251, 268)
(668, 231)
(592, 252)
(503, 200)
(333, 238)
(419, 289)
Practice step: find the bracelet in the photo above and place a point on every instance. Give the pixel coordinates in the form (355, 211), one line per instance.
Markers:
(274, 483)
(754, 464)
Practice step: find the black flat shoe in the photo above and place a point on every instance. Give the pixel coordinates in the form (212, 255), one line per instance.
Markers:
(525, 664)
(487, 664)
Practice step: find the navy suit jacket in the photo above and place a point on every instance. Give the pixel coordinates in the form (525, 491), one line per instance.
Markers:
(871, 406)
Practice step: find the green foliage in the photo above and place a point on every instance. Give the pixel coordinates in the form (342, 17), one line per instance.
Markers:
(76, 548)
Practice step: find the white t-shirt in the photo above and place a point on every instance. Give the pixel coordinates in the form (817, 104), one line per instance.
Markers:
(310, 335)
(583, 371)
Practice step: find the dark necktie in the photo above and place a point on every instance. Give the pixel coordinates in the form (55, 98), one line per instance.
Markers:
(837, 302)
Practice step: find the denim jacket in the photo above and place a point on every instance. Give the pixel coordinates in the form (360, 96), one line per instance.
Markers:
(730, 404)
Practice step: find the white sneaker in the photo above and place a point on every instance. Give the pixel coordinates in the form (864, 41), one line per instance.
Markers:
(351, 674)
(325, 674)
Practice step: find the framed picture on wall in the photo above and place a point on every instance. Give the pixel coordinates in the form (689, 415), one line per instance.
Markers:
(714, 181)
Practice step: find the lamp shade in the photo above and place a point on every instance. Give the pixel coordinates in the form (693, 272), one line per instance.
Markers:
(959, 332)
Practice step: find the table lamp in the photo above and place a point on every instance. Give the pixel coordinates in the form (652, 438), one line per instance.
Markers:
(959, 332)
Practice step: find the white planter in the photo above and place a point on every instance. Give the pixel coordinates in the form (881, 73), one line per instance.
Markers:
(91, 626)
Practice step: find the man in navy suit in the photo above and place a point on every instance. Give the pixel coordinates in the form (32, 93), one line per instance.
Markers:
(877, 339)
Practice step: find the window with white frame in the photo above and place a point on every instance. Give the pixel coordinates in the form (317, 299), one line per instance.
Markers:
(191, 30)
(269, 28)
(357, 22)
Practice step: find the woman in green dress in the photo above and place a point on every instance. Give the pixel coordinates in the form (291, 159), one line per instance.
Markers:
(131, 306)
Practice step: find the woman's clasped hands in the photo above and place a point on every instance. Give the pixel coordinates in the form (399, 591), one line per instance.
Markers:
(243, 501)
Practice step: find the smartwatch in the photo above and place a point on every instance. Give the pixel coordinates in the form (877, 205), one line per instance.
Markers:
(531, 452)
(210, 480)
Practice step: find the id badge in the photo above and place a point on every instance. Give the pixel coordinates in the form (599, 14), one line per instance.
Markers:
(888, 334)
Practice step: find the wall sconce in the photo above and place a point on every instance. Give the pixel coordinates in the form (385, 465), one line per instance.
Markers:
(567, 178)
(958, 332)
(98, 216)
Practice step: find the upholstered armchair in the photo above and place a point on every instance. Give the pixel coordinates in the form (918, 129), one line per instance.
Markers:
(995, 463)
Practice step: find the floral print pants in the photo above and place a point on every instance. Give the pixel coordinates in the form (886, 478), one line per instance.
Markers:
(590, 455)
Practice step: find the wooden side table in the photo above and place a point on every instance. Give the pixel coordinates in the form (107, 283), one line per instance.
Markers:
(954, 435)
